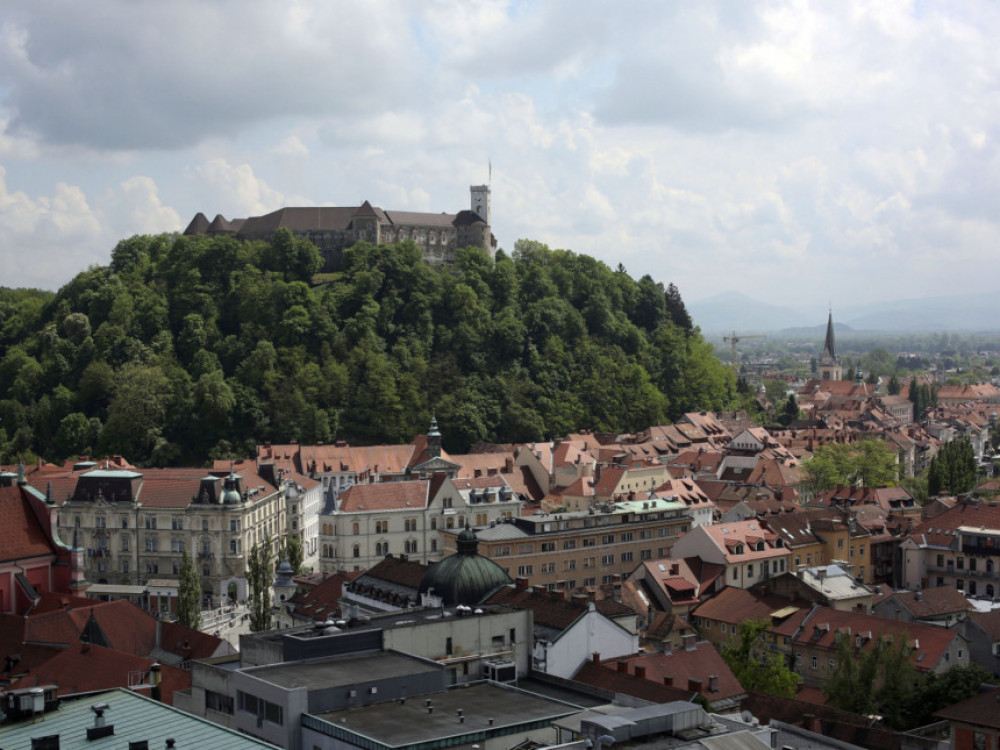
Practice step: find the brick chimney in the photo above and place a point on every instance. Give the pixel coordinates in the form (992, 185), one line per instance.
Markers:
(668, 680)
(689, 641)
(596, 657)
(694, 685)
(623, 666)
(640, 671)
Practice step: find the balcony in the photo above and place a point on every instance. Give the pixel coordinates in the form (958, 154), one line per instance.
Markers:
(977, 548)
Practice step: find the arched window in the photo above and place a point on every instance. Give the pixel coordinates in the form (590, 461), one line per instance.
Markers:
(357, 550)
(356, 528)
(989, 590)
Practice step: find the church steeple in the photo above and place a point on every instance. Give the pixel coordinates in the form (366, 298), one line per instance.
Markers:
(829, 362)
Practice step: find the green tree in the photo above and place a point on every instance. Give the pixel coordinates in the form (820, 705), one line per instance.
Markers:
(953, 470)
(894, 387)
(875, 677)
(291, 549)
(189, 594)
(871, 463)
(755, 665)
(260, 568)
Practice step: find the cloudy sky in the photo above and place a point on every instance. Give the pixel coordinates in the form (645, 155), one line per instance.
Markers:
(797, 152)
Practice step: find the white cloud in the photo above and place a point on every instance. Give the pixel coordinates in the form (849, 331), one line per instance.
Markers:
(46, 239)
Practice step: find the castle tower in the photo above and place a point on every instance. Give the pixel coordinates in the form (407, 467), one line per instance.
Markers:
(481, 202)
(829, 363)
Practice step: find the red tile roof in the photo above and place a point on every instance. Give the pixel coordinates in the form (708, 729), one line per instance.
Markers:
(696, 663)
(22, 534)
(385, 496)
(84, 667)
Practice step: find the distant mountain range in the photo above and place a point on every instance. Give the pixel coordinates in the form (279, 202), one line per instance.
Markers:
(729, 311)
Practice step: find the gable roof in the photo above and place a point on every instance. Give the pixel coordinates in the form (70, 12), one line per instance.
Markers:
(699, 661)
(22, 534)
(385, 496)
(85, 667)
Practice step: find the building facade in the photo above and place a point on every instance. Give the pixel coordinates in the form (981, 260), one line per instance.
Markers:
(334, 229)
(136, 526)
(581, 550)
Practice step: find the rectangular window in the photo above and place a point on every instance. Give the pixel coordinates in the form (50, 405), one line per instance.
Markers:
(152, 567)
(125, 565)
(151, 544)
(204, 524)
(234, 524)
(589, 541)
(569, 544)
(626, 536)
(124, 522)
(234, 546)
(646, 554)
(608, 539)
(177, 523)
(607, 579)
(589, 562)
(750, 570)
(150, 522)
(646, 534)
(548, 546)
(569, 564)
(607, 559)
(589, 581)
(549, 567)
(100, 522)
(502, 550)
(525, 549)
(124, 544)
(525, 570)
(626, 557)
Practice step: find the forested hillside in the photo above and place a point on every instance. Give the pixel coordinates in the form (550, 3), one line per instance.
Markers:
(191, 348)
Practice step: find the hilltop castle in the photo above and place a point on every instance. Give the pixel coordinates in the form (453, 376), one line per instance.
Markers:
(334, 229)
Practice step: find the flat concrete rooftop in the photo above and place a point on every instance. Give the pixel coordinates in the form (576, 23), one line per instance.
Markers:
(341, 671)
(398, 724)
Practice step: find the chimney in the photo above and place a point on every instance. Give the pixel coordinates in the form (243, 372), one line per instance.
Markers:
(623, 666)
(689, 641)
(101, 728)
(713, 683)
(596, 657)
(521, 583)
(694, 685)
(640, 671)
(668, 680)
(668, 647)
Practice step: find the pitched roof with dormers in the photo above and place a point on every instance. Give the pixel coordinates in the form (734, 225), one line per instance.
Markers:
(821, 629)
(738, 541)
(698, 661)
(933, 602)
(942, 530)
(687, 491)
(599, 676)
(386, 496)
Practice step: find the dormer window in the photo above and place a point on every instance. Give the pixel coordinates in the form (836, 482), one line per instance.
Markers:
(760, 546)
(739, 549)
(779, 542)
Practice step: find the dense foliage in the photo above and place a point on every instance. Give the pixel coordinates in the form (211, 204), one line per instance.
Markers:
(869, 463)
(881, 679)
(755, 665)
(189, 594)
(185, 349)
(953, 469)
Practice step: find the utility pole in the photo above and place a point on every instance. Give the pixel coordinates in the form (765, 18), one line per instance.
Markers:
(733, 341)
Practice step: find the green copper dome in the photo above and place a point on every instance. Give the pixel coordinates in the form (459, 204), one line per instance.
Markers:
(466, 577)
